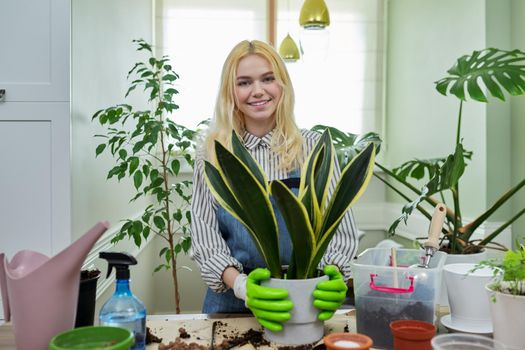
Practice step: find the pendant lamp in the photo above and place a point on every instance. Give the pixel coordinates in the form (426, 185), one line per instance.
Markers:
(289, 50)
(314, 15)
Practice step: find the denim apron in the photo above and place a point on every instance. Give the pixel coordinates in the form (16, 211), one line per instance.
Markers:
(244, 250)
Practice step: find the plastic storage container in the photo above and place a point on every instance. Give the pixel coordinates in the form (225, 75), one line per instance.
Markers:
(384, 293)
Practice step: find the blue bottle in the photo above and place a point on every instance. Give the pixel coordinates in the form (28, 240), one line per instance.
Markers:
(124, 309)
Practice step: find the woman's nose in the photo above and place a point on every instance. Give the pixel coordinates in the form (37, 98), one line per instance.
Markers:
(257, 89)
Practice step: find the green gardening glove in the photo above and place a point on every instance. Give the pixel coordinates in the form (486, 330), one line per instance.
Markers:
(329, 295)
(269, 305)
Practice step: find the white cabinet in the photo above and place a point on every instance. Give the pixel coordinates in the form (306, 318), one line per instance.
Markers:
(34, 50)
(35, 126)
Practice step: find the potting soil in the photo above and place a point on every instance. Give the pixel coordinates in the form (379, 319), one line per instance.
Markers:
(374, 315)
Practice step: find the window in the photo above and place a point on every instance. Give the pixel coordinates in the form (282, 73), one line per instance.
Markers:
(341, 86)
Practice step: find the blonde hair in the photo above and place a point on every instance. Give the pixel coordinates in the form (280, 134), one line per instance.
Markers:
(287, 141)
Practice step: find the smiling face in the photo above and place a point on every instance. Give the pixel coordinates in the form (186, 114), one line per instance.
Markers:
(257, 94)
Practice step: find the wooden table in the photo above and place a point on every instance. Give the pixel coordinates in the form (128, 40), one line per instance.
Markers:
(199, 327)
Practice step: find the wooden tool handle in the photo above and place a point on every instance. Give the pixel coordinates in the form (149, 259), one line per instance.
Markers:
(436, 224)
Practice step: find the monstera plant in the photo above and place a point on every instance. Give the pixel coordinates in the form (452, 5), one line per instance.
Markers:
(482, 73)
(312, 217)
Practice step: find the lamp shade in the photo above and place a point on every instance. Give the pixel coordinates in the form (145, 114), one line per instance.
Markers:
(288, 49)
(314, 15)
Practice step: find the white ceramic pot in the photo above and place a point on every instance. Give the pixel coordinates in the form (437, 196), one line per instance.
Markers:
(303, 327)
(508, 318)
(456, 259)
(469, 305)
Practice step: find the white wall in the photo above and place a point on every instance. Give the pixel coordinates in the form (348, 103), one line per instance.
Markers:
(424, 40)
(102, 55)
(425, 37)
(518, 122)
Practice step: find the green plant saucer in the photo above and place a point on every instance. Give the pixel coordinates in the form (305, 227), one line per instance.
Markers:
(93, 337)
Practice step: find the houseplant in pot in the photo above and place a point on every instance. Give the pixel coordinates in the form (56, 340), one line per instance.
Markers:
(498, 71)
(87, 293)
(478, 76)
(507, 295)
(241, 188)
(150, 149)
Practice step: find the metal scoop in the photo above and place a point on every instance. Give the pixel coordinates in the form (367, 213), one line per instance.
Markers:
(431, 245)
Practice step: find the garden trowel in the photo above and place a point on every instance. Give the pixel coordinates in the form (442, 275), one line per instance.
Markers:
(431, 245)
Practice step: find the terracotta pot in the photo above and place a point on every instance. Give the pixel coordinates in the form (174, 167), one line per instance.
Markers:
(345, 341)
(412, 334)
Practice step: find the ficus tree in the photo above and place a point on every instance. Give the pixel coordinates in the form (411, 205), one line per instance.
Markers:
(150, 148)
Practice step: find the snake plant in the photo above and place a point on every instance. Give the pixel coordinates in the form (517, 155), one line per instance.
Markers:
(240, 186)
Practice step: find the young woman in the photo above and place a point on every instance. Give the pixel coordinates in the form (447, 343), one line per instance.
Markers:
(256, 99)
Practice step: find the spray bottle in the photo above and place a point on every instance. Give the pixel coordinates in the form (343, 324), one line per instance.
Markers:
(124, 309)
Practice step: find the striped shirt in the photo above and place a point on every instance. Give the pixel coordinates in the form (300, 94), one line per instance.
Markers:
(210, 251)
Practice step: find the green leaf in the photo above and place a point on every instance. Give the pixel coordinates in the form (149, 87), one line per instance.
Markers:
(158, 268)
(137, 227)
(157, 182)
(169, 77)
(159, 222)
(445, 178)
(177, 215)
(137, 238)
(298, 225)
(324, 169)
(241, 194)
(186, 244)
(163, 251)
(240, 151)
(496, 69)
(100, 149)
(350, 186)
(145, 170)
(123, 154)
(175, 166)
(137, 179)
(133, 164)
(348, 145)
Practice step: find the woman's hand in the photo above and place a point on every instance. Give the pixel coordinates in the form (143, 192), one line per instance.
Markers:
(270, 306)
(329, 295)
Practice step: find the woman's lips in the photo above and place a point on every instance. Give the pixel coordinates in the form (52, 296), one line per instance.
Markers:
(259, 103)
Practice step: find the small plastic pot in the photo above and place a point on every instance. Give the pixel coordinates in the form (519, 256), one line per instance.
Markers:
(93, 337)
(87, 293)
(346, 341)
(412, 334)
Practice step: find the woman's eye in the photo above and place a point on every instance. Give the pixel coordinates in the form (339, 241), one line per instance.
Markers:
(269, 79)
(243, 83)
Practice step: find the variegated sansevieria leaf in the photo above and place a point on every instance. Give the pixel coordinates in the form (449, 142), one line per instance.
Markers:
(350, 186)
(323, 170)
(253, 206)
(315, 178)
(298, 225)
(240, 151)
(222, 192)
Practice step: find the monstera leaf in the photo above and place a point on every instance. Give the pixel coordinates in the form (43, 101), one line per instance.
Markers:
(495, 69)
(348, 145)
